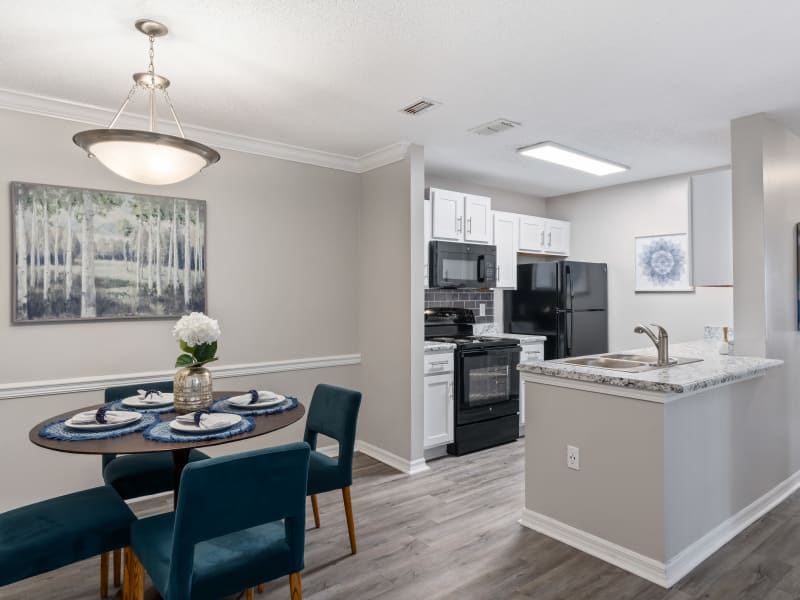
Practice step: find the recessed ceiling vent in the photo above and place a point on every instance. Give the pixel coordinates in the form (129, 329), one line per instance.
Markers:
(496, 126)
(420, 106)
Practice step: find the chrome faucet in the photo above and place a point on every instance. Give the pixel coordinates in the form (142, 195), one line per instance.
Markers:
(661, 341)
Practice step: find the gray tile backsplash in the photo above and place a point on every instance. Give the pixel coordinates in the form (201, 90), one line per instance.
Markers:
(463, 299)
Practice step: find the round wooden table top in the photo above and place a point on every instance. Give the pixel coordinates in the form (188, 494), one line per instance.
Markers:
(135, 443)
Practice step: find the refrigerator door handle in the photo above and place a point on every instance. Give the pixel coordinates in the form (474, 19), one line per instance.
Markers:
(571, 327)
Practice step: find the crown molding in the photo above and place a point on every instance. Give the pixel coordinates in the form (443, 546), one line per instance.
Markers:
(68, 110)
(383, 156)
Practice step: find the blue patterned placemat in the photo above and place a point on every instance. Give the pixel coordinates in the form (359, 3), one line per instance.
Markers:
(58, 431)
(161, 432)
(156, 411)
(223, 406)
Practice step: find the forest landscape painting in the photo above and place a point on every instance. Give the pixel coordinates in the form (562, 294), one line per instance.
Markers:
(88, 254)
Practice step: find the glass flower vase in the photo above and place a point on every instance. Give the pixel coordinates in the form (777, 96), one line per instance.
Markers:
(192, 390)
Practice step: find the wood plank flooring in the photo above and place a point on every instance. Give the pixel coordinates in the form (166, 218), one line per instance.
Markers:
(452, 533)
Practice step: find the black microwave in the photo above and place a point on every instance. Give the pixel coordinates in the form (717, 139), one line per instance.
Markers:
(457, 265)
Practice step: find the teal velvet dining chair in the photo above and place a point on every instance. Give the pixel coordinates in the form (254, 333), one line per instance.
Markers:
(334, 413)
(47, 535)
(240, 520)
(137, 475)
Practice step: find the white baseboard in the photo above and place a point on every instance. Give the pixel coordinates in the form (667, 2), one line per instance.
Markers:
(665, 574)
(691, 556)
(26, 389)
(638, 564)
(396, 462)
(388, 458)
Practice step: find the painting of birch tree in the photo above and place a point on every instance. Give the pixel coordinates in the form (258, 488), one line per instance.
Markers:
(89, 254)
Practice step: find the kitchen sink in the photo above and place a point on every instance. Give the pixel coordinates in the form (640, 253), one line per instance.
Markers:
(631, 363)
(603, 362)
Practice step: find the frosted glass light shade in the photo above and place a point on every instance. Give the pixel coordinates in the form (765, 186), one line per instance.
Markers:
(145, 156)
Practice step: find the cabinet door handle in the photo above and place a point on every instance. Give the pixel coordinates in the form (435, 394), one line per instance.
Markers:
(469, 225)
(549, 238)
(460, 224)
(498, 271)
(438, 362)
(450, 392)
(542, 236)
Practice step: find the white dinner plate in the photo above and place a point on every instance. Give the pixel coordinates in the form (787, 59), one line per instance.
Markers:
(210, 423)
(260, 404)
(138, 402)
(133, 417)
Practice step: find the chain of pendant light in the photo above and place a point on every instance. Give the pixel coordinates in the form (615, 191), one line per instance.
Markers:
(151, 70)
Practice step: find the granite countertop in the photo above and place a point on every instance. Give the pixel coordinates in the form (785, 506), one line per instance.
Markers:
(523, 338)
(715, 369)
(431, 347)
(491, 330)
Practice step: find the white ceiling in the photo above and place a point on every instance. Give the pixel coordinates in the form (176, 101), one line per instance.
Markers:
(649, 84)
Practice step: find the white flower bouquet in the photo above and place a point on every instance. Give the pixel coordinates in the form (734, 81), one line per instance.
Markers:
(197, 335)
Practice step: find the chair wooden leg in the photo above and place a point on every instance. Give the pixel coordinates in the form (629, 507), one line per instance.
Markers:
(351, 526)
(295, 586)
(104, 575)
(315, 508)
(260, 588)
(250, 595)
(117, 566)
(133, 577)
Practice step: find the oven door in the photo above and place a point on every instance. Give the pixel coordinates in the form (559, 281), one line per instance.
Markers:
(456, 265)
(488, 384)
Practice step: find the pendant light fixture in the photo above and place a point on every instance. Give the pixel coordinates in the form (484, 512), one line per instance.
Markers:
(147, 156)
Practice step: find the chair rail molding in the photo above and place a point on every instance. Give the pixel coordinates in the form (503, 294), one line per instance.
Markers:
(26, 389)
(58, 108)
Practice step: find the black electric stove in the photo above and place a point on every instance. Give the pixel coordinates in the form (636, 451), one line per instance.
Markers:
(486, 381)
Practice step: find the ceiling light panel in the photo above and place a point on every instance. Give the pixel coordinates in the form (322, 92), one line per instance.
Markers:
(566, 157)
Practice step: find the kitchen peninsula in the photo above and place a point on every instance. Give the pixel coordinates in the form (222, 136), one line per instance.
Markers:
(660, 462)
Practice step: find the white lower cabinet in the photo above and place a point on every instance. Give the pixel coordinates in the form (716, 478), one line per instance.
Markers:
(529, 352)
(438, 401)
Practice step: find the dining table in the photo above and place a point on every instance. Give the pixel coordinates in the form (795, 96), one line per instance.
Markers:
(136, 443)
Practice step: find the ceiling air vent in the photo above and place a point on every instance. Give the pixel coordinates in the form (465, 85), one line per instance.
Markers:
(420, 106)
(496, 126)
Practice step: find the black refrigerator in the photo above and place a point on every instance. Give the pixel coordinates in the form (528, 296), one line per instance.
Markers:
(564, 300)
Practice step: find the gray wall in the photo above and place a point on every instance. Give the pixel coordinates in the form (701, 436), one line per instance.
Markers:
(391, 306)
(604, 224)
(766, 186)
(618, 493)
(282, 280)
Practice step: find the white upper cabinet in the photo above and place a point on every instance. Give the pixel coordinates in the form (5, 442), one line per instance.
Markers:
(460, 217)
(506, 239)
(531, 234)
(448, 215)
(556, 237)
(543, 236)
(478, 219)
(712, 228)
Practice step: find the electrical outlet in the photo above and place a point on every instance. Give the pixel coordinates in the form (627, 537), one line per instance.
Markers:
(574, 458)
(482, 309)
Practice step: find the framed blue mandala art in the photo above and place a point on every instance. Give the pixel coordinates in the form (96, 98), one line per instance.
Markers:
(663, 263)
